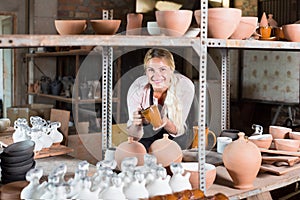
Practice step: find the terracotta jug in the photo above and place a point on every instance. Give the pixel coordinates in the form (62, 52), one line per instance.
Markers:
(134, 23)
(130, 148)
(166, 151)
(242, 160)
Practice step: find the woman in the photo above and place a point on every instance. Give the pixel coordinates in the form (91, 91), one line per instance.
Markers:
(172, 92)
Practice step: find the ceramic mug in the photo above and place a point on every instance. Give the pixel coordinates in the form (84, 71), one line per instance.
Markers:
(152, 114)
(210, 138)
(222, 142)
(265, 32)
(110, 154)
(4, 123)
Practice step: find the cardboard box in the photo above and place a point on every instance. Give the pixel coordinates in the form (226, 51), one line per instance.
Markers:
(26, 111)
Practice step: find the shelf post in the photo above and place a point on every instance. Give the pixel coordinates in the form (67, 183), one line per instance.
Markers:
(202, 95)
(225, 90)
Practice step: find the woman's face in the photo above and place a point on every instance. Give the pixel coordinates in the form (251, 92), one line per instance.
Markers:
(159, 74)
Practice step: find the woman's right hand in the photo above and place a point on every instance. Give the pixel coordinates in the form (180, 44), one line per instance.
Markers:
(137, 118)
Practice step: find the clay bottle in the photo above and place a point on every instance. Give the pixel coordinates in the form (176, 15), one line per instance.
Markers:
(242, 160)
(271, 21)
(130, 148)
(264, 21)
(166, 151)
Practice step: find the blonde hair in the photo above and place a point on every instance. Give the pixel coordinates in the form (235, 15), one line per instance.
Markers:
(174, 107)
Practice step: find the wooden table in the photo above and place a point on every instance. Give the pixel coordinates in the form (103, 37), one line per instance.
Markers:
(263, 184)
(49, 163)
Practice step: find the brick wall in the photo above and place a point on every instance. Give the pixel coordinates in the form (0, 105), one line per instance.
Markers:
(92, 9)
(249, 7)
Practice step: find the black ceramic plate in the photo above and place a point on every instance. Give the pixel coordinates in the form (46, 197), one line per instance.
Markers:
(26, 145)
(11, 178)
(26, 162)
(14, 159)
(17, 170)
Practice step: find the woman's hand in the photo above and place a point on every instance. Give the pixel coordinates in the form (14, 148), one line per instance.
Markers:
(137, 118)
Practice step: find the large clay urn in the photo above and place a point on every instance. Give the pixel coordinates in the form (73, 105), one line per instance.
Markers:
(242, 160)
(130, 148)
(166, 151)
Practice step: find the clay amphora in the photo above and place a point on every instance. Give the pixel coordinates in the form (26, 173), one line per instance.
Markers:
(242, 160)
(166, 151)
(130, 148)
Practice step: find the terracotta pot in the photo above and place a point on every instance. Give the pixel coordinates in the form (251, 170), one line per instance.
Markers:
(70, 27)
(279, 132)
(294, 135)
(245, 29)
(193, 168)
(174, 22)
(134, 23)
(287, 144)
(242, 160)
(262, 141)
(292, 32)
(222, 22)
(130, 148)
(105, 27)
(166, 151)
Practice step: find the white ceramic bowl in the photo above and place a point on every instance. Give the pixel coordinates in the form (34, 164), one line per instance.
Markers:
(153, 28)
(192, 32)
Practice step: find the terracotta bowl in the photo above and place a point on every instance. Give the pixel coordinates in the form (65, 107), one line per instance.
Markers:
(245, 29)
(292, 32)
(222, 22)
(192, 167)
(70, 27)
(279, 132)
(197, 15)
(294, 135)
(287, 144)
(174, 22)
(105, 27)
(262, 141)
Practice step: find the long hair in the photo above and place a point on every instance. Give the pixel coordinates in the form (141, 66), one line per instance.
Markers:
(174, 107)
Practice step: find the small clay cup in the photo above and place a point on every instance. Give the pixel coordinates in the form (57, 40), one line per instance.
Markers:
(265, 32)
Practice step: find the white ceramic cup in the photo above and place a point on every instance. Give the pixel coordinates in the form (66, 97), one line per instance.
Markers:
(222, 142)
(110, 154)
(4, 123)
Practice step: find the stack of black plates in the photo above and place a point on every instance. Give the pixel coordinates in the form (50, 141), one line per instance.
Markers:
(16, 160)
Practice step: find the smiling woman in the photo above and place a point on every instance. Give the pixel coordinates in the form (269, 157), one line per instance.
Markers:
(171, 92)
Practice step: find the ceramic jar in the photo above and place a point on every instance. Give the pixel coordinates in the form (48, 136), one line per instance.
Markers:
(242, 160)
(134, 23)
(130, 148)
(166, 151)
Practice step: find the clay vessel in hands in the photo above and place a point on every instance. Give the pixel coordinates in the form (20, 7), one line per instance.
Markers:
(242, 160)
(130, 148)
(166, 151)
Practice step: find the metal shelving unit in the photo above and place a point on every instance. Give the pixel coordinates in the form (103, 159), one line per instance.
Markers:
(199, 45)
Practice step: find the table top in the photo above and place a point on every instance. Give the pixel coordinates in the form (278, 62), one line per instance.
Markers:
(264, 182)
